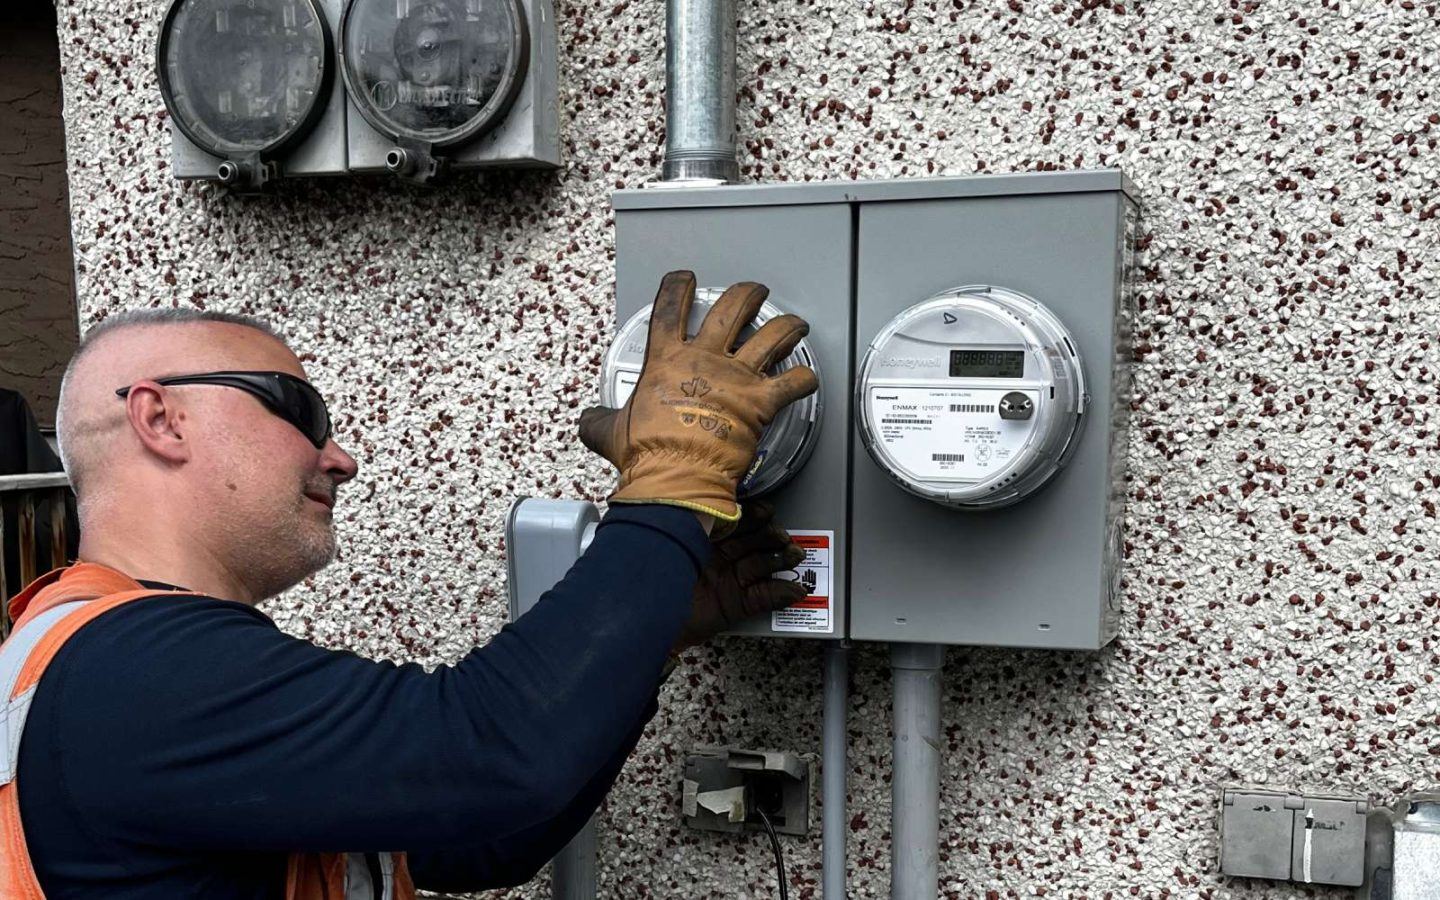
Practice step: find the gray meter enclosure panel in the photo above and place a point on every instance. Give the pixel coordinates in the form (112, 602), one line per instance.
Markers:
(1040, 573)
(528, 136)
(848, 256)
(321, 152)
(803, 254)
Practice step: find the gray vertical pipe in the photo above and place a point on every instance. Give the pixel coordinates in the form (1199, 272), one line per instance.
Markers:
(833, 769)
(915, 777)
(700, 91)
(573, 875)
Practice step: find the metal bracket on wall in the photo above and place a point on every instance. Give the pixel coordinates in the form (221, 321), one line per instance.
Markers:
(723, 786)
(1404, 851)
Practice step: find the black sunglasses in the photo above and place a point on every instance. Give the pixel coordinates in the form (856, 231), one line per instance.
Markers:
(292, 399)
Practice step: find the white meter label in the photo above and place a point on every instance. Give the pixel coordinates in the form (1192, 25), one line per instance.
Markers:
(948, 433)
(816, 613)
(625, 386)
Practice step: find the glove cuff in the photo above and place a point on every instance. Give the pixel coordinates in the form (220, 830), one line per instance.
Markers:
(729, 513)
(679, 482)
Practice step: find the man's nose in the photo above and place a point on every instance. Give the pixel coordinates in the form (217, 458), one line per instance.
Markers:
(338, 464)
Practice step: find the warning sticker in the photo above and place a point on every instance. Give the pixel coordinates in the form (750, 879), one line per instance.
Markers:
(814, 614)
(949, 433)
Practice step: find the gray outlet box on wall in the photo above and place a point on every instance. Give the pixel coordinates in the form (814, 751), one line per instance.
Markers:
(973, 341)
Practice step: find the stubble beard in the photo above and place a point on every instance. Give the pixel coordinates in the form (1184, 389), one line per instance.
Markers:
(292, 549)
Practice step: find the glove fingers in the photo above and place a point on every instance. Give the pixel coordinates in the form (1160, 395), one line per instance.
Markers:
(735, 309)
(770, 539)
(597, 431)
(757, 513)
(792, 385)
(773, 342)
(757, 567)
(671, 312)
(768, 596)
(754, 516)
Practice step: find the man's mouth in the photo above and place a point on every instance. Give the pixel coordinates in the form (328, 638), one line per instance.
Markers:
(325, 500)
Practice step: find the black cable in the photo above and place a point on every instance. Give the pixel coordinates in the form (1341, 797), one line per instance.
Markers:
(779, 856)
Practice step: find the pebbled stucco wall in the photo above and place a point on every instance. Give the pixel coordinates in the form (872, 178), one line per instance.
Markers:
(1281, 621)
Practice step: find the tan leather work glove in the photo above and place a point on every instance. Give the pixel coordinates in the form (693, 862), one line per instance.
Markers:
(690, 429)
(738, 583)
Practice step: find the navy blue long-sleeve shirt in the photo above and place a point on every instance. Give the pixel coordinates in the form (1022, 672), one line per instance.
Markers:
(181, 746)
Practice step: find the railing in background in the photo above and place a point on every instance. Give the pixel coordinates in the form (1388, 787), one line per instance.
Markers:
(24, 493)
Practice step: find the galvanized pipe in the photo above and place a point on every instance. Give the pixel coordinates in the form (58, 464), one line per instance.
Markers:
(833, 763)
(573, 874)
(915, 773)
(700, 91)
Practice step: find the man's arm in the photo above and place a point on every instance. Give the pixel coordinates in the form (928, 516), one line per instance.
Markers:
(190, 723)
(515, 859)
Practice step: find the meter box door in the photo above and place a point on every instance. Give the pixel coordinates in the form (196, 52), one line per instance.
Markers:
(449, 84)
(803, 254)
(253, 89)
(992, 329)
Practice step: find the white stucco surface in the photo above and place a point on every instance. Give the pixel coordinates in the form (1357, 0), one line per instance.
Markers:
(1281, 622)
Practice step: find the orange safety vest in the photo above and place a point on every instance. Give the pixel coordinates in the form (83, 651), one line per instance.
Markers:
(47, 614)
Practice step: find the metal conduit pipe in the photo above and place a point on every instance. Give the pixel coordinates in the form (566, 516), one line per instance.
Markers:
(700, 91)
(573, 875)
(833, 769)
(915, 781)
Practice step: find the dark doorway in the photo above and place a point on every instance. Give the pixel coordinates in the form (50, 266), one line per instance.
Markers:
(38, 323)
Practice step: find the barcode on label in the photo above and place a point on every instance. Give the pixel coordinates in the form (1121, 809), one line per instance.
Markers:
(970, 407)
(884, 421)
(947, 457)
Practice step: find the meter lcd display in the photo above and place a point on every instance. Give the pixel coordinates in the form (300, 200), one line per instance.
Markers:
(987, 363)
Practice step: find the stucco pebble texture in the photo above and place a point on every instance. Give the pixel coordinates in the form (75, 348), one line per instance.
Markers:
(1280, 620)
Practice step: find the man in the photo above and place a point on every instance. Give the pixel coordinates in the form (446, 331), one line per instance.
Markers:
(176, 744)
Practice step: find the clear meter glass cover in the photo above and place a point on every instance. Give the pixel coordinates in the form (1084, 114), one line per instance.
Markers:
(972, 398)
(440, 72)
(244, 77)
(787, 442)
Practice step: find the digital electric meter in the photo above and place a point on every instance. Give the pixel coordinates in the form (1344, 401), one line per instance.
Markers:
(244, 80)
(432, 74)
(787, 441)
(972, 398)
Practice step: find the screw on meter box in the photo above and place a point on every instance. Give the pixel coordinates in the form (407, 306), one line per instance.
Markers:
(816, 613)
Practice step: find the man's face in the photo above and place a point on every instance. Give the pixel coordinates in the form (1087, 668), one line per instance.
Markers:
(269, 490)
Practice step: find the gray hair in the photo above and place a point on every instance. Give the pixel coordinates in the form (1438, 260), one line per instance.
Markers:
(166, 316)
(131, 318)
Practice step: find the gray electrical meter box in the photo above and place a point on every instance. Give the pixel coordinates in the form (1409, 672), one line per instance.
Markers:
(252, 89)
(967, 484)
(802, 254)
(436, 84)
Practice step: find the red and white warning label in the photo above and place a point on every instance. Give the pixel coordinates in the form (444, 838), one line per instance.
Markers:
(815, 614)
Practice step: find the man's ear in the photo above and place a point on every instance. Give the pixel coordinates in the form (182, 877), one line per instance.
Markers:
(158, 421)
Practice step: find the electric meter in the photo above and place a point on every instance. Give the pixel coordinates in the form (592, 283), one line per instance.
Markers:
(432, 74)
(244, 80)
(787, 441)
(973, 398)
